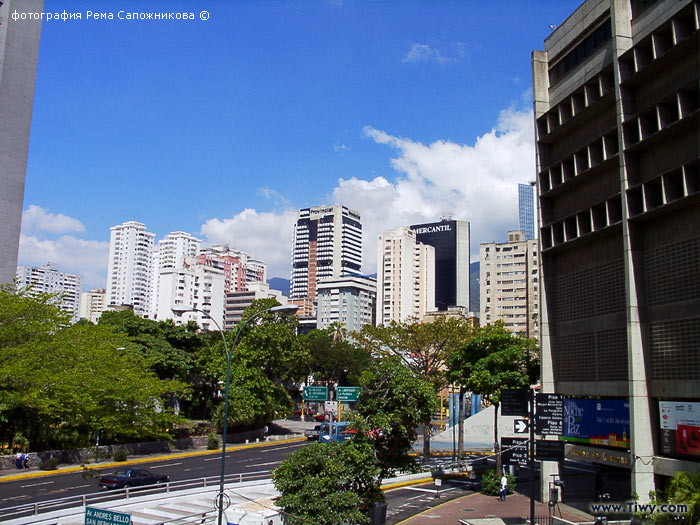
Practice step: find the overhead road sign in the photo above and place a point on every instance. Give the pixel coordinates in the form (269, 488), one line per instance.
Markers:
(315, 393)
(349, 393)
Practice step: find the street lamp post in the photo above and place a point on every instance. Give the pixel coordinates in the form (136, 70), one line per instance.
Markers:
(179, 310)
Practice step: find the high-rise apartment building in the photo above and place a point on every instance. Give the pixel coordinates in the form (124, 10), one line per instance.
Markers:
(92, 304)
(405, 277)
(616, 105)
(526, 210)
(237, 302)
(238, 267)
(130, 267)
(19, 49)
(350, 300)
(327, 244)
(509, 284)
(47, 279)
(170, 253)
(451, 242)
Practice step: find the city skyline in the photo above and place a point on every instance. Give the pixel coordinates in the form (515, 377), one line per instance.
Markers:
(224, 128)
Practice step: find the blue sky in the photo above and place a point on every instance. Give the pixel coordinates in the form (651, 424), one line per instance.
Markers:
(402, 110)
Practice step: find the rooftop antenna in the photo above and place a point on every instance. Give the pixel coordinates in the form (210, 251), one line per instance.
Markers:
(446, 216)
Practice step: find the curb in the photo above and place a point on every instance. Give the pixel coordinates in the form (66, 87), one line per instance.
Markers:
(430, 509)
(82, 468)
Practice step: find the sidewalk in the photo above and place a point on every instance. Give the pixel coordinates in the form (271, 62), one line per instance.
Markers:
(477, 506)
(290, 431)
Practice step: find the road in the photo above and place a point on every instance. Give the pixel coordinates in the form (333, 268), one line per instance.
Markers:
(259, 460)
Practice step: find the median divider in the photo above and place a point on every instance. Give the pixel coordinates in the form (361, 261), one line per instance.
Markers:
(98, 466)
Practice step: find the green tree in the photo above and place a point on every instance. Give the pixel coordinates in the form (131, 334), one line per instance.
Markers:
(423, 347)
(335, 360)
(491, 360)
(393, 402)
(328, 484)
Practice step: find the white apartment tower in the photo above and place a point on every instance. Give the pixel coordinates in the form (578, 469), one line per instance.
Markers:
(47, 279)
(405, 277)
(130, 267)
(509, 284)
(171, 252)
(327, 244)
(92, 304)
(350, 300)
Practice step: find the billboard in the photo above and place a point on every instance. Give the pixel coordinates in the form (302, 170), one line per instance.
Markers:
(680, 428)
(603, 422)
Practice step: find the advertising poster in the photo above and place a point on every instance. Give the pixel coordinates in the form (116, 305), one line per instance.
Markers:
(680, 428)
(603, 422)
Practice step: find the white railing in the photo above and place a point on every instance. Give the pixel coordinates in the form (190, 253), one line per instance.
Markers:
(34, 509)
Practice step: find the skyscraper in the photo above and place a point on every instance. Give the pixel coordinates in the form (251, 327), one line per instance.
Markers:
(130, 267)
(616, 107)
(526, 210)
(19, 48)
(405, 277)
(327, 244)
(451, 242)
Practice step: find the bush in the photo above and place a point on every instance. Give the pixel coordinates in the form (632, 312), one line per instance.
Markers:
(48, 464)
(212, 442)
(120, 454)
(491, 483)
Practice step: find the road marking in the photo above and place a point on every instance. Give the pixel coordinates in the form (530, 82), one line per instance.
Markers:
(36, 484)
(432, 491)
(263, 464)
(168, 465)
(15, 497)
(217, 458)
(266, 449)
(194, 468)
(246, 460)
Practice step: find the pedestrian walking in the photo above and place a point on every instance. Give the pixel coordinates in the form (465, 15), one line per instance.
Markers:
(18, 460)
(25, 461)
(504, 488)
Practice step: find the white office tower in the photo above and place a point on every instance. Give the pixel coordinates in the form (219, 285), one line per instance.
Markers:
(350, 300)
(509, 287)
(195, 285)
(47, 279)
(405, 277)
(327, 244)
(238, 268)
(130, 270)
(92, 304)
(171, 252)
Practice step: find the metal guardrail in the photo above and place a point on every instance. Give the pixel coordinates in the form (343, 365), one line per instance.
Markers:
(34, 509)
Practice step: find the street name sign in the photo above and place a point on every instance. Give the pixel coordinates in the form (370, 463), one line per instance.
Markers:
(94, 516)
(549, 450)
(550, 414)
(349, 393)
(520, 426)
(514, 402)
(515, 451)
(315, 393)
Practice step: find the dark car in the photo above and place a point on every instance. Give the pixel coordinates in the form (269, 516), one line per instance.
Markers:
(131, 477)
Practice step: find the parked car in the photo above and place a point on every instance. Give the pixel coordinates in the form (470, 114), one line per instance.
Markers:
(131, 477)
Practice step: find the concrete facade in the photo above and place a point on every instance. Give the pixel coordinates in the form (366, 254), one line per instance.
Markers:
(19, 49)
(616, 104)
(47, 279)
(92, 304)
(405, 277)
(350, 300)
(237, 302)
(509, 284)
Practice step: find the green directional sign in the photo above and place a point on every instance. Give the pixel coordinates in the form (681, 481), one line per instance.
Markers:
(315, 393)
(95, 516)
(348, 393)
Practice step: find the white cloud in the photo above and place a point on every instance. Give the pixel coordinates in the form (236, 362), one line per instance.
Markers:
(265, 236)
(69, 254)
(425, 53)
(476, 183)
(37, 219)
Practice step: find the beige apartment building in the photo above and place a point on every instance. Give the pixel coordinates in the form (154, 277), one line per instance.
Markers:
(405, 277)
(509, 287)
